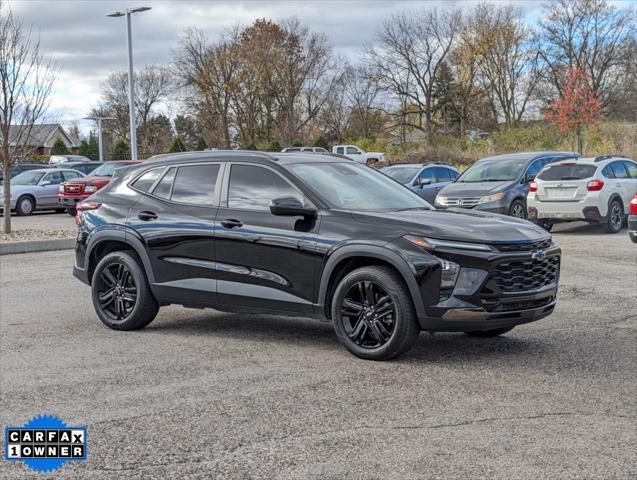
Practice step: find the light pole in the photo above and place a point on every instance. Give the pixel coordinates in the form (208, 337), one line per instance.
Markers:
(99, 132)
(131, 81)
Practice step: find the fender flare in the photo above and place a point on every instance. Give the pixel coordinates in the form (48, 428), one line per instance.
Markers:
(374, 251)
(120, 235)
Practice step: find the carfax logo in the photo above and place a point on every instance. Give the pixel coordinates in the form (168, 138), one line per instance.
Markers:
(45, 443)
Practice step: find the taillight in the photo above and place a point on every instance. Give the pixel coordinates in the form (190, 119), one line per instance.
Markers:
(594, 185)
(84, 206)
(533, 187)
(633, 206)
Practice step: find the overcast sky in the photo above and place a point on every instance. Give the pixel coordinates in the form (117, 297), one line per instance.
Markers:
(88, 46)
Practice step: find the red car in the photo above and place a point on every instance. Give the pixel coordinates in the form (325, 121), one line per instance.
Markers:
(72, 192)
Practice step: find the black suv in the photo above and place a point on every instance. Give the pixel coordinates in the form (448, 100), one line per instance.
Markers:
(307, 235)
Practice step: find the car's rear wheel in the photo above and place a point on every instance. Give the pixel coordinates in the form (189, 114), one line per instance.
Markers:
(615, 217)
(517, 209)
(121, 295)
(373, 314)
(489, 333)
(24, 206)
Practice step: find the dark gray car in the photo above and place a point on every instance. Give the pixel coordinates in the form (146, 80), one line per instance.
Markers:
(498, 184)
(425, 179)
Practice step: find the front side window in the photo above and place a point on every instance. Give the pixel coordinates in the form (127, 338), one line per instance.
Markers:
(442, 174)
(195, 184)
(54, 178)
(252, 187)
(352, 186)
(340, 150)
(427, 174)
(534, 168)
(68, 175)
(352, 151)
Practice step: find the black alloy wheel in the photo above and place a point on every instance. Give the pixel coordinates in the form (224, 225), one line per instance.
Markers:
(368, 315)
(517, 209)
(117, 291)
(615, 217)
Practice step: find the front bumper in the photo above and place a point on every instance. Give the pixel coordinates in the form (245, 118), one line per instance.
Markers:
(70, 202)
(501, 299)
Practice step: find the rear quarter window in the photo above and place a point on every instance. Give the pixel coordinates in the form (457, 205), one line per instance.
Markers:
(567, 172)
(147, 180)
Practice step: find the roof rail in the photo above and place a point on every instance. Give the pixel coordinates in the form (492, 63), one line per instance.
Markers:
(433, 162)
(214, 153)
(606, 157)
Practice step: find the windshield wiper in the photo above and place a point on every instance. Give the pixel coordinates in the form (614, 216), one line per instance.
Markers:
(412, 208)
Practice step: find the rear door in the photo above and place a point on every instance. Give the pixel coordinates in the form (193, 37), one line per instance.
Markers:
(174, 218)
(264, 261)
(630, 186)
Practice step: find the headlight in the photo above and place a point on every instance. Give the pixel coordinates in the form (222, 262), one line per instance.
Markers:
(491, 198)
(90, 189)
(433, 243)
(441, 200)
(449, 273)
(61, 188)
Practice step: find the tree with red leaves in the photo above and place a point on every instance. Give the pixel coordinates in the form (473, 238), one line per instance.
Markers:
(577, 108)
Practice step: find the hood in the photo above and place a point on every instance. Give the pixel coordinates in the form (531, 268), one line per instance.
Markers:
(92, 180)
(457, 225)
(460, 189)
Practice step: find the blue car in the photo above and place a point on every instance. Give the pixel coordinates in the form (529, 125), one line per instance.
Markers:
(426, 179)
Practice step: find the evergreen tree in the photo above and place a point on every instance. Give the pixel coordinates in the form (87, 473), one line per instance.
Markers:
(59, 148)
(201, 144)
(177, 146)
(121, 150)
(251, 146)
(275, 146)
(91, 148)
(321, 142)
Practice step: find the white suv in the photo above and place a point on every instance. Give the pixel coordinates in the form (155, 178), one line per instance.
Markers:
(593, 189)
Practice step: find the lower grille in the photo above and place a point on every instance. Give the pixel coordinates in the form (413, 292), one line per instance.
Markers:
(518, 305)
(522, 275)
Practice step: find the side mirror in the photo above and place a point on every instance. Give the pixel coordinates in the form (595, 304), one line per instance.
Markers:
(422, 181)
(290, 206)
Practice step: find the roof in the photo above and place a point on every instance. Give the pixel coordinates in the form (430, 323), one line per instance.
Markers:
(527, 156)
(262, 157)
(599, 160)
(39, 134)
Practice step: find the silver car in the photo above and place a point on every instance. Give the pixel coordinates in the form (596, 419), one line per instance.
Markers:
(38, 189)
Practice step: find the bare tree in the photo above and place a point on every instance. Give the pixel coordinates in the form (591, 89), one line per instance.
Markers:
(362, 91)
(26, 84)
(589, 34)
(411, 50)
(506, 61)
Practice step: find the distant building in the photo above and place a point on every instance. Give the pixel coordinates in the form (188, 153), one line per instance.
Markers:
(40, 140)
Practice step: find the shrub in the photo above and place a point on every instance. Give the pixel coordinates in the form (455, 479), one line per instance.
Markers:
(59, 148)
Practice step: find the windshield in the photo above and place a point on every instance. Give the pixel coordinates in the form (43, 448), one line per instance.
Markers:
(567, 172)
(498, 171)
(107, 169)
(27, 178)
(401, 174)
(352, 186)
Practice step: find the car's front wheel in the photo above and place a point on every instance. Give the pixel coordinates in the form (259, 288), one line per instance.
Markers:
(121, 295)
(373, 314)
(517, 209)
(24, 206)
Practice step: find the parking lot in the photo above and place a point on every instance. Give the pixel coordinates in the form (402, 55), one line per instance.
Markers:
(201, 394)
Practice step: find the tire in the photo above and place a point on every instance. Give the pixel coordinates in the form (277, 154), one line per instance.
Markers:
(393, 320)
(60, 210)
(71, 211)
(490, 333)
(517, 209)
(24, 206)
(135, 315)
(615, 217)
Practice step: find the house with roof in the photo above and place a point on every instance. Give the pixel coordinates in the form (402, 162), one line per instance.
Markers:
(40, 139)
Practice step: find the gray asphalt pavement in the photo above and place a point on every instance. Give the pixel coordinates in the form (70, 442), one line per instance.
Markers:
(202, 394)
(44, 221)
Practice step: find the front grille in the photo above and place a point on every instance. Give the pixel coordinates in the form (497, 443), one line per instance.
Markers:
(524, 247)
(73, 188)
(522, 275)
(459, 201)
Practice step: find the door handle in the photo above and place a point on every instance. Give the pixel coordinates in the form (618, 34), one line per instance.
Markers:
(231, 223)
(146, 216)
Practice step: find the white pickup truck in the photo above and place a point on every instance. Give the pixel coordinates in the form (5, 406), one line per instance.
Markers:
(358, 155)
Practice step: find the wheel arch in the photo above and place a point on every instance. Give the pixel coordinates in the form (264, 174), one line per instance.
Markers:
(349, 258)
(104, 242)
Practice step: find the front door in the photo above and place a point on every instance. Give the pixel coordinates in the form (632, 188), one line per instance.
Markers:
(263, 261)
(49, 187)
(175, 219)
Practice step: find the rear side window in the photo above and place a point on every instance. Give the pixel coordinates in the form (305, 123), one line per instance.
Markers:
(148, 179)
(607, 172)
(252, 187)
(195, 184)
(619, 170)
(165, 186)
(632, 169)
(567, 172)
